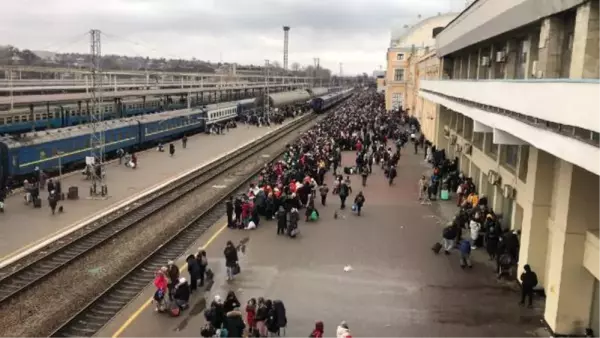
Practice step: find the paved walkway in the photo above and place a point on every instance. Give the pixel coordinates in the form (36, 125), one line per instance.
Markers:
(22, 226)
(396, 287)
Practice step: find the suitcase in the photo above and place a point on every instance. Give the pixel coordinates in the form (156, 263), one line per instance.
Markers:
(445, 195)
(73, 193)
(436, 248)
(37, 203)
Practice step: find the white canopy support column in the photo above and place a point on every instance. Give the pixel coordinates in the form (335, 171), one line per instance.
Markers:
(479, 127)
(501, 137)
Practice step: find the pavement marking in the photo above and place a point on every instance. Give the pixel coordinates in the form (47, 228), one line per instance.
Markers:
(219, 186)
(144, 306)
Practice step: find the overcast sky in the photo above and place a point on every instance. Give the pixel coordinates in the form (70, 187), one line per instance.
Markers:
(354, 32)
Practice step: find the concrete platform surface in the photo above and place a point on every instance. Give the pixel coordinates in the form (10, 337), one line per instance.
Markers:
(22, 226)
(397, 286)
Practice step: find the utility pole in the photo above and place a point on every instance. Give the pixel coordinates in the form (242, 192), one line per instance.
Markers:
(341, 71)
(267, 98)
(98, 187)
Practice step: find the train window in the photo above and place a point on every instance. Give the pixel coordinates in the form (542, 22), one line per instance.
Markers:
(14, 160)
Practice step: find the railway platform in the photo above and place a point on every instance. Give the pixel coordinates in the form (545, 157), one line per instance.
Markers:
(395, 285)
(22, 227)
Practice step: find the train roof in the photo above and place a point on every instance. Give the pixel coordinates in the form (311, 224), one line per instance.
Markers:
(40, 137)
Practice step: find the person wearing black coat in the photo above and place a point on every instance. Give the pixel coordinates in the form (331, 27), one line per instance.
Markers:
(182, 293)
(194, 270)
(281, 221)
(231, 302)
(215, 315)
(231, 259)
(202, 264)
(272, 320)
(234, 324)
(280, 314)
(237, 208)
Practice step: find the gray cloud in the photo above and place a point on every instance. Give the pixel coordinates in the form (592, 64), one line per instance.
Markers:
(355, 32)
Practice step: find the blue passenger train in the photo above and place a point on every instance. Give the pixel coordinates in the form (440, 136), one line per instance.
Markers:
(22, 155)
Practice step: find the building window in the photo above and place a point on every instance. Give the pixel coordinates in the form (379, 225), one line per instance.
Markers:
(490, 148)
(397, 100)
(524, 163)
(478, 140)
(400, 57)
(399, 74)
(510, 157)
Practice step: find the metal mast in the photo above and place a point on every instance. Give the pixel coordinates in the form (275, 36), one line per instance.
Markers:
(267, 98)
(315, 71)
(98, 188)
(341, 71)
(286, 33)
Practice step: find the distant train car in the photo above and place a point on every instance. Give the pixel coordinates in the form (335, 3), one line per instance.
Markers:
(278, 100)
(171, 125)
(322, 103)
(246, 106)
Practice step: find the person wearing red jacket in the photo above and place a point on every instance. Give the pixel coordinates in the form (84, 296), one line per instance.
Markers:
(160, 282)
(318, 331)
(250, 315)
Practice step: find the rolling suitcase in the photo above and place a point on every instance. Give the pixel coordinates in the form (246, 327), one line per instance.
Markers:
(37, 203)
(436, 248)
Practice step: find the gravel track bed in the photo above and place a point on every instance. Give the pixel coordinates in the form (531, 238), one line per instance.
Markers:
(42, 308)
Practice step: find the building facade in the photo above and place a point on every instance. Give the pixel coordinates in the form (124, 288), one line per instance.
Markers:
(517, 103)
(410, 40)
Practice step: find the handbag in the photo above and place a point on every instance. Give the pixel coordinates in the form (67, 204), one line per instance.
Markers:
(236, 269)
(353, 207)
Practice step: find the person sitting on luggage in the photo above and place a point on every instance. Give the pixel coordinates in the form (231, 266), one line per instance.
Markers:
(182, 293)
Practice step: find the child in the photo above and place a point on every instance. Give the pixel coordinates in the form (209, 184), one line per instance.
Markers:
(160, 282)
(250, 314)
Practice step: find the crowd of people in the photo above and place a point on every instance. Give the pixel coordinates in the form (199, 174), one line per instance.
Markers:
(475, 218)
(288, 192)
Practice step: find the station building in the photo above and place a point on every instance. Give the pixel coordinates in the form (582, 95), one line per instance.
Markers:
(515, 97)
(405, 42)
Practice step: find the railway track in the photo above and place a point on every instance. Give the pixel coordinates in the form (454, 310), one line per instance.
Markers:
(22, 275)
(103, 308)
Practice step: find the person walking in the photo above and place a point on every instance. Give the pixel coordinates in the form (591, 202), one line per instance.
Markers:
(528, 282)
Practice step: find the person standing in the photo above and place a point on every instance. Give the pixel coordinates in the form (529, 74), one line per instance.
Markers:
(172, 149)
(231, 259)
(184, 141)
(324, 190)
(528, 282)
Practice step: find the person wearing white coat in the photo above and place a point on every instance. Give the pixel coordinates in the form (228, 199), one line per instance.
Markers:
(343, 331)
(474, 227)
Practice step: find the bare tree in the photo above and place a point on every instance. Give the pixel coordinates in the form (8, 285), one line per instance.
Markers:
(276, 64)
(295, 66)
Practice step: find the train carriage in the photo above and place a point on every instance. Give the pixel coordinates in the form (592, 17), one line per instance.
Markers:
(71, 145)
(170, 125)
